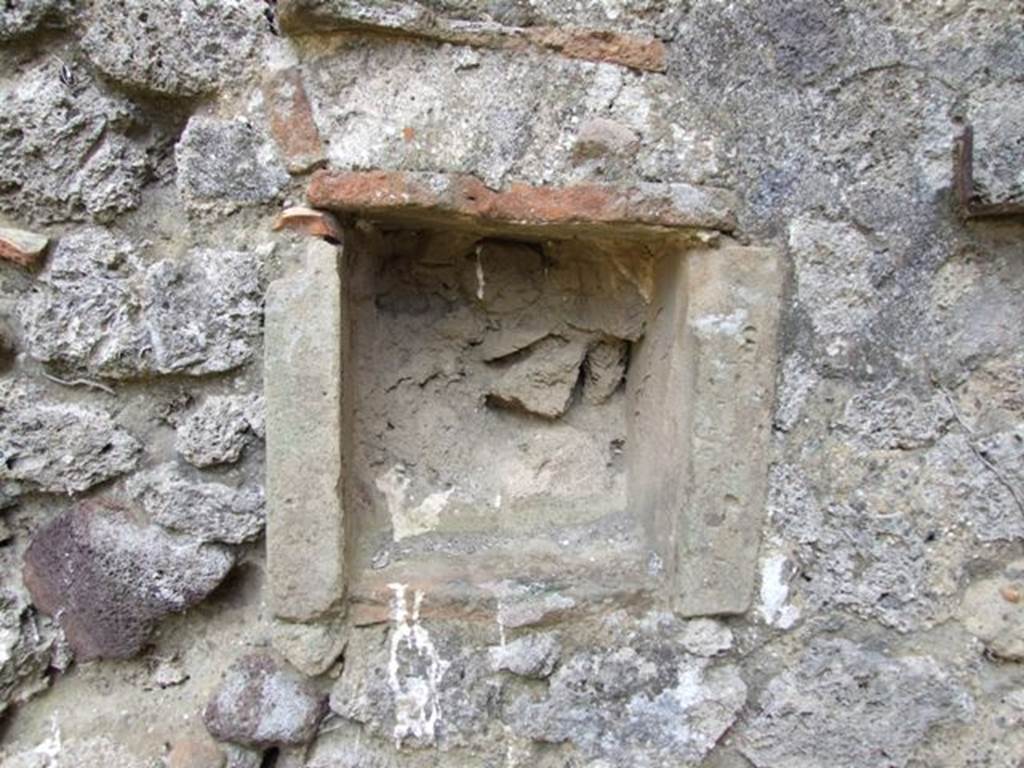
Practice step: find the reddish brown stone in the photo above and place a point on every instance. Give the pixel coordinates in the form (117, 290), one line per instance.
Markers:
(635, 51)
(309, 221)
(397, 194)
(22, 247)
(108, 580)
(291, 120)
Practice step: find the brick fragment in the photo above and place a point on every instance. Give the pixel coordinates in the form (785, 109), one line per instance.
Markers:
(291, 121)
(634, 51)
(309, 221)
(22, 247)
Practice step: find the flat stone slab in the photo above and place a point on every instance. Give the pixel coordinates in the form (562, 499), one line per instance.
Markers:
(305, 522)
(637, 51)
(447, 199)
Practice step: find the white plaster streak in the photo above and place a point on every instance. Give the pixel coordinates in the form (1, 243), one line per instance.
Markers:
(774, 592)
(479, 276)
(728, 325)
(409, 520)
(415, 670)
(53, 746)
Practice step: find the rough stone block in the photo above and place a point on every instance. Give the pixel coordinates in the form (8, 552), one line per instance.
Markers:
(542, 382)
(220, 429)
(65, 153)
(99, 310)
(262, 703)
(25, 16)
(530, 656)
(226, 163)
(60, 448)
(171, 48)
(108, 581)
(205, 510)
(302, 377)
(843, 706)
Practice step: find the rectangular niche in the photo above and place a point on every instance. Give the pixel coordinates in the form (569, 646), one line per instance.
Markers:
(576, 410)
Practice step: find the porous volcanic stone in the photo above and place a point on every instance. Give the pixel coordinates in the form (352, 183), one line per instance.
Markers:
(172, 48)
(848, 707)
(98, 310)
(24, 16)
(108, 581)
(60, 448)
(65, 152)
(207, 511)
(219, 430)
(226, 163)
(263, 703)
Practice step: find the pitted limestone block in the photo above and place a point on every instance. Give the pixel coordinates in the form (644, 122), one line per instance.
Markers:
(997, 115)
(172, 48)
(262, 703)
(108, 581)
(206, 511)
(25, 16)
(220, 429)
(60, 448)
(226, 163)
(846, 706)
(65, 153)
(98, 310)
(303, 369)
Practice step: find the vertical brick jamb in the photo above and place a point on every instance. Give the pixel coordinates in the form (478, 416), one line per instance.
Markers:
(731, 325)
(302, 377)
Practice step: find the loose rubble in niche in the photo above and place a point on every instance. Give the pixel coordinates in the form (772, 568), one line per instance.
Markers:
(522, 346)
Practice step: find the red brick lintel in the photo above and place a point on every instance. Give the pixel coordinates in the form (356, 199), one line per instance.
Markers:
(451, 199)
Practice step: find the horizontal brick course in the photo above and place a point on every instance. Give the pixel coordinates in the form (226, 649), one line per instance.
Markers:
(442, 197)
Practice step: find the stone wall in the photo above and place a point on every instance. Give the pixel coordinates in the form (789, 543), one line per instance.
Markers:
(147, 148)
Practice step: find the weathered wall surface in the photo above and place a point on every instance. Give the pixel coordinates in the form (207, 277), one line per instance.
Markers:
(154, 141)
